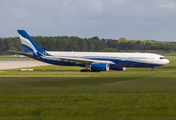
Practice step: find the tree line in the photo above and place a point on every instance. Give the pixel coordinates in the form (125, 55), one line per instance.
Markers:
(94, 44)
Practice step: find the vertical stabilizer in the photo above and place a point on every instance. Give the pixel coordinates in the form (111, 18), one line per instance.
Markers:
(28, 43)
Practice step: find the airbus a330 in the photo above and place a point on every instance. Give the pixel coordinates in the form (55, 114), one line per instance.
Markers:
(91, 61)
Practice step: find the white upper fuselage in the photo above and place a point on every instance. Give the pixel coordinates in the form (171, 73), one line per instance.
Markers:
(147, 58)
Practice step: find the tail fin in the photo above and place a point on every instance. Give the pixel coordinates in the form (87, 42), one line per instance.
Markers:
(28, 43)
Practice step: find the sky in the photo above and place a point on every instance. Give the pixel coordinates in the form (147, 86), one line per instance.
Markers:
(108, 19)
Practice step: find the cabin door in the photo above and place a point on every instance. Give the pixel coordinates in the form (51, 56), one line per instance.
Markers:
(123, 57)
(152, 58)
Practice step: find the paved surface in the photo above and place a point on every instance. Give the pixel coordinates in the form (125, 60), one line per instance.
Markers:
(20, 64)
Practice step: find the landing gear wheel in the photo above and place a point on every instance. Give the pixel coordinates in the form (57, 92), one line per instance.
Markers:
(94, 71)
(85, 70)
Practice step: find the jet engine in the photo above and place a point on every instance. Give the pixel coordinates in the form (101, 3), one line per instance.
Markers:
(99, 67)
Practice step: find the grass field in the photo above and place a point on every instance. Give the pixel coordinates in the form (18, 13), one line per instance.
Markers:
(64, 93)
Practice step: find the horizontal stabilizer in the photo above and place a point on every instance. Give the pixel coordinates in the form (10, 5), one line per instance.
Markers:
(29, 54)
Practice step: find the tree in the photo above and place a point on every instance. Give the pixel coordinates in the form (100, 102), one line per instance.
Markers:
(126, 48)
(65, 43)
(83, 45)
(110, 50)
(122, 39)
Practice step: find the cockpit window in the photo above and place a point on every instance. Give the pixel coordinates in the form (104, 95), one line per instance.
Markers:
(162, 58)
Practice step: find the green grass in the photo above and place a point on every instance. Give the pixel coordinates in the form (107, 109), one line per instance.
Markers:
(56, 92)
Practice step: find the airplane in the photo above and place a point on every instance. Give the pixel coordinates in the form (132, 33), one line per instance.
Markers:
(91, 61)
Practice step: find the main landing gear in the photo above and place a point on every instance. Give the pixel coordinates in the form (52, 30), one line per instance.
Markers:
(87, 70)
(87, 66)
(152, 71)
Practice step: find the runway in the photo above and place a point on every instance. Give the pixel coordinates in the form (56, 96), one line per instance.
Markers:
(20, 64)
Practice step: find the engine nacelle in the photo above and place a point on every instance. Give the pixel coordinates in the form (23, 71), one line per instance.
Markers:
(99, 67)
(119, 68)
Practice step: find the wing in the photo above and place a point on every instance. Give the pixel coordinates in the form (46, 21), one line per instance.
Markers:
(79, 60)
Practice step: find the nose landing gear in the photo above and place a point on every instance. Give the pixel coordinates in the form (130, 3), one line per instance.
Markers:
(152, 71)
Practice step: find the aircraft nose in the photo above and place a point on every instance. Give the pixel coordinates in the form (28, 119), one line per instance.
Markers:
(166, 61)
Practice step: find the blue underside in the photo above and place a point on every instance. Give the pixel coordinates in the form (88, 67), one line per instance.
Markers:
(118, 63)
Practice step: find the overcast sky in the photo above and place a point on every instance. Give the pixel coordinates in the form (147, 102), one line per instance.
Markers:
(132, 19)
